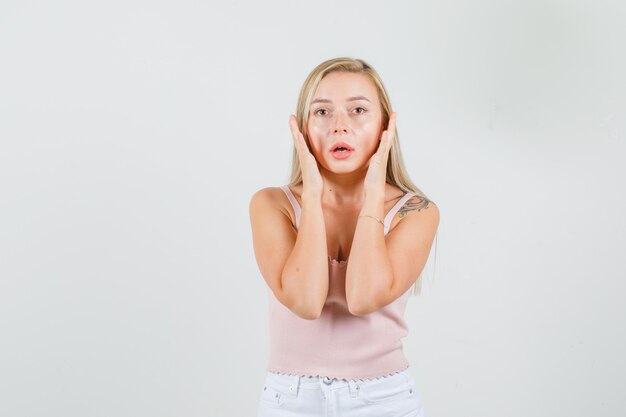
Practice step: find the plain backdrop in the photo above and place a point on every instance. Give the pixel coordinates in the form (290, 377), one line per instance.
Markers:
(133, 135)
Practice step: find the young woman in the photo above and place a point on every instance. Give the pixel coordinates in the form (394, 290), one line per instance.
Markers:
(340, 247)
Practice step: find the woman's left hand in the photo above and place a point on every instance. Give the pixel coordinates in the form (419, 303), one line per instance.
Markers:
(376, 176)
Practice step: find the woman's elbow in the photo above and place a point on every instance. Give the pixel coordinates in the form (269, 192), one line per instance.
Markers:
(302, 307)
(361, 310)
(307, 312)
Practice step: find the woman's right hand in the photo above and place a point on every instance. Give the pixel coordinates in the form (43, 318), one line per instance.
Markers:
(312, 183)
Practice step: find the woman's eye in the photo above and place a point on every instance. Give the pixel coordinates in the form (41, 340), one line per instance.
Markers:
(321, 112)
(359, 110)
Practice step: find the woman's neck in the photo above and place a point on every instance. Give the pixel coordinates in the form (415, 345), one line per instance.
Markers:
(343, 189)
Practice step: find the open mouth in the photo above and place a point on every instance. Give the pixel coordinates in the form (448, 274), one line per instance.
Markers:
(341, 147)
(341, 150)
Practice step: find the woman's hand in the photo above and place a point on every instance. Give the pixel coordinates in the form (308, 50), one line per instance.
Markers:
(376, 176)
(312, 183)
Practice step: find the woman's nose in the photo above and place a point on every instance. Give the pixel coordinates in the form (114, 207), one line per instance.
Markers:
(340, 124)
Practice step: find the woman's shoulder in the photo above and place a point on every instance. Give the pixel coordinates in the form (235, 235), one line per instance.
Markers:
(268, 195)
(396, 192)
(415, 203)
(275, 193)
(271, 198)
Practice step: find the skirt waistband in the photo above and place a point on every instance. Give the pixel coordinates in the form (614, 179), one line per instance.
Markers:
(290, 384)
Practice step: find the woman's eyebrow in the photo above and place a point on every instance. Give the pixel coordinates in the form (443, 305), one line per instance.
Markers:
(321, 100)
(355, 98)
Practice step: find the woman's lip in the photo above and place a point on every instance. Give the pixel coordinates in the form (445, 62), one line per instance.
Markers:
(341, 145)
(341, 155)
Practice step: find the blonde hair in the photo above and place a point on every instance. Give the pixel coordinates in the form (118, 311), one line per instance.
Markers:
(396, 172)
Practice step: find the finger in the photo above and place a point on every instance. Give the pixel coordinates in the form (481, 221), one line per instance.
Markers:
(391, 126)
(298, 138)
(385, 143)
(293, 125)
(382, 154)
(390, 133)
(302, 149)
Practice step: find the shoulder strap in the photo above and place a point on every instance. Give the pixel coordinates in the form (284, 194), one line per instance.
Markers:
(294, 203)
(395, 209)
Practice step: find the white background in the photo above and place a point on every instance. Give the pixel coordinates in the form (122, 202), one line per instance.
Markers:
(133, 135)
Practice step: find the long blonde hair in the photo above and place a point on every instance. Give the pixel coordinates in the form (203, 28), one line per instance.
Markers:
(396, 172)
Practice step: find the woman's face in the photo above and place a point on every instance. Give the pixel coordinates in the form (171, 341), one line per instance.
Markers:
(345, 108)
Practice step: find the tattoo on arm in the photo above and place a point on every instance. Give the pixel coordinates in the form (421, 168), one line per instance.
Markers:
(414, 203)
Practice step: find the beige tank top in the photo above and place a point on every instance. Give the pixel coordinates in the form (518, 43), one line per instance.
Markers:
(338, 344)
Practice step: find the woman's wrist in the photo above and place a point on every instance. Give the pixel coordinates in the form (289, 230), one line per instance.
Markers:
(311, 198)
(372, 217)
(374, 205)
(374, 192)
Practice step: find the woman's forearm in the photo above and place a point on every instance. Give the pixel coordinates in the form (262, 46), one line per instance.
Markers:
(369, 270)
(305, 275)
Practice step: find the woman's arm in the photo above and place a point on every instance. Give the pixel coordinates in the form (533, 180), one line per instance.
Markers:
(383, 268)
(294, 264)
